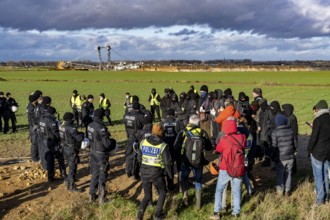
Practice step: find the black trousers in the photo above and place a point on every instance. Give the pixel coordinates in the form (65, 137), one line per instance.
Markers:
(159, 183)
(10, 116)
(1, 116)
(99, 163)
(153, 109)
(129, 157)
(107, 115)
(72, 158)
(51, 153)
(34, 144)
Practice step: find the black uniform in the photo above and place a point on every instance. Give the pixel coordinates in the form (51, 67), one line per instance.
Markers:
(70, 141)
(50, 138)
(87, 110)
(171, 130)
(33, 132)
(39, 112)
(153, 174)
(2, 110)
(101, 145)
(9, 115)
(133, 121)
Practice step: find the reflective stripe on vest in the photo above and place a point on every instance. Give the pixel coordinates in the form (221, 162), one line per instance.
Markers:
(152, 154)
(154, 100)
(103, 103)
(76, 101)
(195, 132)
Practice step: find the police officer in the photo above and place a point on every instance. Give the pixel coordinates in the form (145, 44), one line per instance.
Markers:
(2, 106)
(70, 141)
(75, 104)
(33, 101)
(9, 113)
(39, 111)
(133, 123)
(154, 100)
(105, 104)
(49, 130)
(146, 130)
(87, 111)
(101, 145)
(155, 159)
(171, 130)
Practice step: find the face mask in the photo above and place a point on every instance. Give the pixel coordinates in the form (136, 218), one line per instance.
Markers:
(127, 96)
(203, 94)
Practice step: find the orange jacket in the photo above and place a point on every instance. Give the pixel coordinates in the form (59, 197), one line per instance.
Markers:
(228, 111)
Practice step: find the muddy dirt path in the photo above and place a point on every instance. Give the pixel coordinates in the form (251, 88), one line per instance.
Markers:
(25, 192)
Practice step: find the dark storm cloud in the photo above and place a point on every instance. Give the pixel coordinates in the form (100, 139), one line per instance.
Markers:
(184, 31)
(279, 18)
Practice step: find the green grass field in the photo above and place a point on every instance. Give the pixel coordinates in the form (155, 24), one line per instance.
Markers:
(302, 89)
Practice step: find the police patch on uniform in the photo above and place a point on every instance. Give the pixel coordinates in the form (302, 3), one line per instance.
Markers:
(150, 151)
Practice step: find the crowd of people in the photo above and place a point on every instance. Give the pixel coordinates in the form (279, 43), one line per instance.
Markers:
(172, 139)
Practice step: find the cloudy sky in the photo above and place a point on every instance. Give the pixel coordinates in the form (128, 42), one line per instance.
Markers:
(51, 30)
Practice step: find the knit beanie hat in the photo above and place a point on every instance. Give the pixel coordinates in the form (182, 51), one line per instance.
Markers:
(90, 97)
(322, 104)
(204, 88)
(38, 92)
(136, 106)
(34, 97)
(242, 96)
(157, 130)
(99, 113)
(75, 92)
(46, 100)
(257, 91)
(275, 106)
(68, 116)
(280, 119)
(228, 92)
(51, 110)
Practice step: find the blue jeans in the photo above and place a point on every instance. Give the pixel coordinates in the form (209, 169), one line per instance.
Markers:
(223, 179)
(198, 175)
(320, 172)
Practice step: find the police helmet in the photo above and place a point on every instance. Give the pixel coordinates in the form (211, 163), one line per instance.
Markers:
(85, 143)
(14, 108)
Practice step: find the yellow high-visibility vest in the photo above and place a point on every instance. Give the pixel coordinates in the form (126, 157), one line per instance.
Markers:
(103, 103)
(152, 154)
(154, 100)
(75, 101)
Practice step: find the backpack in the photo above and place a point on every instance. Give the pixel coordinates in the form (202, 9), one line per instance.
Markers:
(194, 148)
(170, 132)
(235, 161)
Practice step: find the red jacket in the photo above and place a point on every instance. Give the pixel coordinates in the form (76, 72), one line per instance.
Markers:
(229, 128)
(228, 111)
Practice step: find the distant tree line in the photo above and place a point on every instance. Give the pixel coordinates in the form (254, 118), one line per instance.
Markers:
(211, 63)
